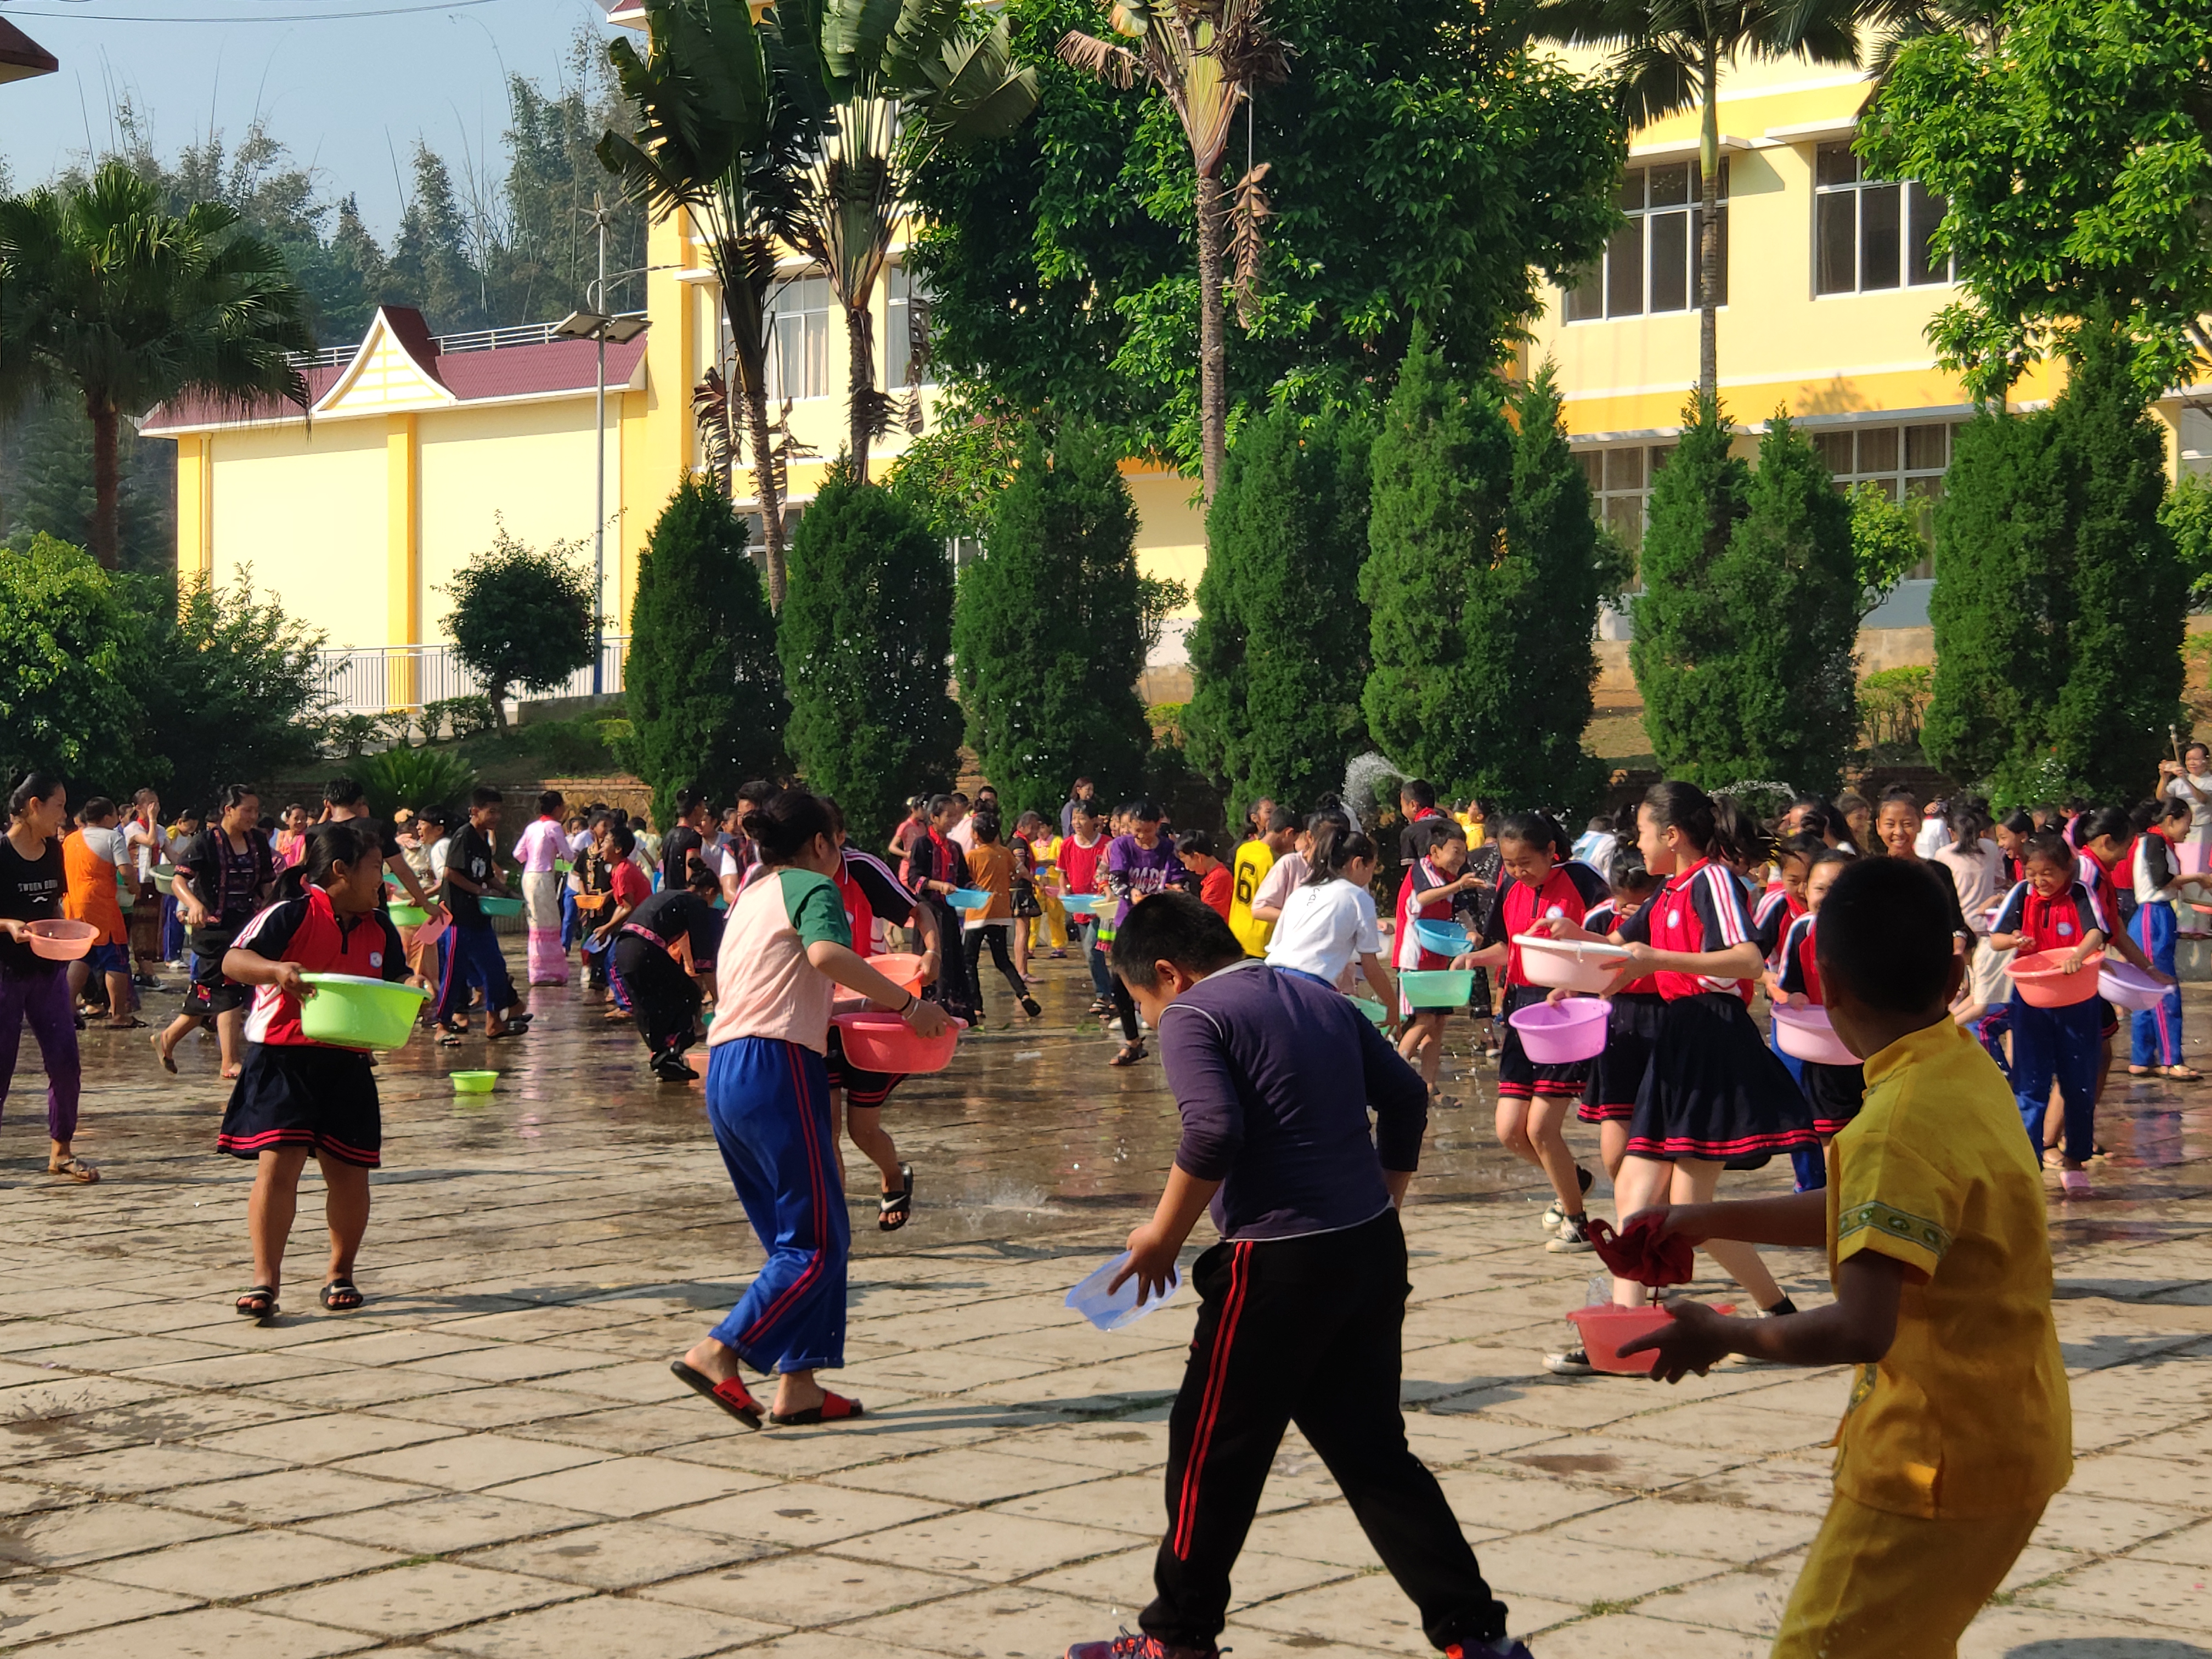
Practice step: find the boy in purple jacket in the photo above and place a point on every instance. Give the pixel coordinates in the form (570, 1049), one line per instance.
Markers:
(1303, 1301)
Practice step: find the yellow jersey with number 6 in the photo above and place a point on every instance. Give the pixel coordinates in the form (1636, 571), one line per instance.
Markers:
(1253, 860)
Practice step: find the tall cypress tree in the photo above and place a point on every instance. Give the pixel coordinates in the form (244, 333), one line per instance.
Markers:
(2110, 726)
(706, 699)
(1684, 627)
(1278, 655)
(864, 631)
(1045, 631)
(1482, 581)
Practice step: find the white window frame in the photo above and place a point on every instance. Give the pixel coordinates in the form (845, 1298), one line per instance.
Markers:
(1620, 477)
(798, 338)
(1647, 221)
(1886, 461)
(906, 293)
(1919, 210)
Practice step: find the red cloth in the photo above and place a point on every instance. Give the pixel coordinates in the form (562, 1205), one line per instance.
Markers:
(1216, 890)
(1637, 1251)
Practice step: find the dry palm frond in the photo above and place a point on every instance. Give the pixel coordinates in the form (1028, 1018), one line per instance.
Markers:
(713, 412)
(1109, 63)
(1247, 221)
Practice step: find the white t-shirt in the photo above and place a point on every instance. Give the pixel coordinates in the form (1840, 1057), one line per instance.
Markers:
(1281, 880)
(1325, 929)
(438, 851)
(1935, 835)
(105, 843)
(962, 834)
(1977, 873)
(2200, 811)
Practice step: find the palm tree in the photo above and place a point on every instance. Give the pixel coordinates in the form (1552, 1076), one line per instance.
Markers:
(1207, 57)
(1896, 24)
(1667, 56)
(716, 142)
(888, 83)
(105, 295)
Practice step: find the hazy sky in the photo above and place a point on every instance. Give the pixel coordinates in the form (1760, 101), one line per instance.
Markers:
(345, 88)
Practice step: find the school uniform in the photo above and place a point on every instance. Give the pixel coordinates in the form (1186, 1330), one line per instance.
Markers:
(2155, 1037)
(2057, 1045)
(472, 953)
(1078, 875)
(1571, 891)
(664, 998)
(1632, 1026)
(1712, 1089)
(1833, 1092)
(291, 1090)
(768, 1100)
(1422, 877)
(935, 857)
(1302, 1302)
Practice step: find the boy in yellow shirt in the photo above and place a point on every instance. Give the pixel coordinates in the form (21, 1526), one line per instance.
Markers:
(1959, 1428)
(1253, 858)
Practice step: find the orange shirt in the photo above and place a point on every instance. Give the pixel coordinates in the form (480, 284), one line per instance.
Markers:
(991, 869)
(91, 892)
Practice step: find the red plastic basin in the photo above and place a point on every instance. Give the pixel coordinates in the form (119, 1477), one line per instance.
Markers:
(1606, 1327)
(885, 1042)
(901, 968)
(61, 941)
(2041, 985)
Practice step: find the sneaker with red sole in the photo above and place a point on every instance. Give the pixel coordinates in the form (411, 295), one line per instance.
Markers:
(1128, 1646)
(1503, 1648)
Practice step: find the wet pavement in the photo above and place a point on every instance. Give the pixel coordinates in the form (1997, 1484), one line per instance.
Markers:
(492, 1459)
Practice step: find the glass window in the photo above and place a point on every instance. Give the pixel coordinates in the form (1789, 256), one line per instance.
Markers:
(1870, 236)
(1650, 264)
(798, 339)
(906, 332)
(1906, 464)
(1620, 479)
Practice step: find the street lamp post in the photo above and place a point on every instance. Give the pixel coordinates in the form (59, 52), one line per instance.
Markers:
(595, 325)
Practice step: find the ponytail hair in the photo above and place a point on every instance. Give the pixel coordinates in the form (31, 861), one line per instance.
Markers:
(1537, 829)
(1737, 838)
(323, 848)
(30, 787)
(1683, 806)
(1334, 846)
(786, 823)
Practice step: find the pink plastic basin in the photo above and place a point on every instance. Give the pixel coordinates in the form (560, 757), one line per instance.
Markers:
(1605, 1328)
(2126, 986)
(61, 941)
(878, 1041)
(2041, 985)
(1806, 1034)
(425, 934)
(1562, 1033)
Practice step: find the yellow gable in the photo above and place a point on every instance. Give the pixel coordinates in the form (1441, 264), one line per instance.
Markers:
(383, 377)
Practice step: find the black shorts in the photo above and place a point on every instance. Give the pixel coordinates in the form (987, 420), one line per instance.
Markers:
(866, 1090)
(209, 993)
(304, 1095)
(1520, 1078)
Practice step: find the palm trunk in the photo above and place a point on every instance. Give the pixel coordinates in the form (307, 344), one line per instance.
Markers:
(771, 499)
(106, 483)
(1212, 349)
(1709, 236)
(742, 301)
(861, 384)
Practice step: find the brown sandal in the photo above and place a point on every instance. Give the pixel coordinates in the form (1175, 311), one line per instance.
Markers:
(76, 1170)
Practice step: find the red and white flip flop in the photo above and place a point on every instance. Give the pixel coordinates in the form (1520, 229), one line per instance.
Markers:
(834, 1408)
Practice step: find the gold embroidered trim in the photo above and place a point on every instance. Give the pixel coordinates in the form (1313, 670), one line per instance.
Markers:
(1895, 1224)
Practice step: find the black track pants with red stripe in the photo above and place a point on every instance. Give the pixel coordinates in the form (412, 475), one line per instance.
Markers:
(1305, 1331)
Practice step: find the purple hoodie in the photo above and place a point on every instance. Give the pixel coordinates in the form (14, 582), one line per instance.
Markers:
(1134, 872)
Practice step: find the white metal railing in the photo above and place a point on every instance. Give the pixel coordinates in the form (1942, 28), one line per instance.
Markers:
(481, 339)
(382, 678)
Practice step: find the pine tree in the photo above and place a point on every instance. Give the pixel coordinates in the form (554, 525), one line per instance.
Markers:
(864, 634)
(1553, 660)
(2001, 607)
(1684, 624)
(1482, 581)
(1278, 655)
(2110, 723)
(1046, 633)
(707, 704)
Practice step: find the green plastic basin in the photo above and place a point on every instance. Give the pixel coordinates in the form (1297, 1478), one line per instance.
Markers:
(1440, 987)
(408, 915)
(493, 906)
(474, 1083)
(1373, 1010)
(352, 1012)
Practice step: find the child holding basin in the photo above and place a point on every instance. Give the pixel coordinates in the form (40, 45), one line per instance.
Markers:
(297, 1097)
(1834, 1087)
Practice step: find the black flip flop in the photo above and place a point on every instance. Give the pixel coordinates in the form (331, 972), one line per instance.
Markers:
(259, 1301)
(894, 1209)
(341, 1296)
(732, 1395)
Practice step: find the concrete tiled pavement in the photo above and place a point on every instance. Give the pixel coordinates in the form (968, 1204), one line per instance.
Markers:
(491, 1459)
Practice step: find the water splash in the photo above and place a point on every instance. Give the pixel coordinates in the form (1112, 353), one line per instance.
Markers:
(1361, 778)
(1753, 793)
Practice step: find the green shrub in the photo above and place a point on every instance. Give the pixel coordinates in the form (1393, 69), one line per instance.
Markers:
(65, 639)
(418, 778)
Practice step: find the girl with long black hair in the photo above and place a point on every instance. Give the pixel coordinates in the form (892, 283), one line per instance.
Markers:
(34, 988)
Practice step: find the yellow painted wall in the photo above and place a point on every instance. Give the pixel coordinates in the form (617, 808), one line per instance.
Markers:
(531, 466)
(305, 508)
(1171, 526)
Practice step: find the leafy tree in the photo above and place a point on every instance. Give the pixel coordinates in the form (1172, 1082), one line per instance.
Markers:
(2075, 160)
(707, 704)
(522, 616)
(2187, 515)
(1062, 259)
(1482, 581)
(1045, 633)
(952, 473)
(1886, 543)
(46, 484)
(1683, 623)
(863, 636)
(228, 684)
(1667, 58)
(65, 639)
(708, 137)
(2060, 597)
(112, 300)
(1279, 653)
(886, 87)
